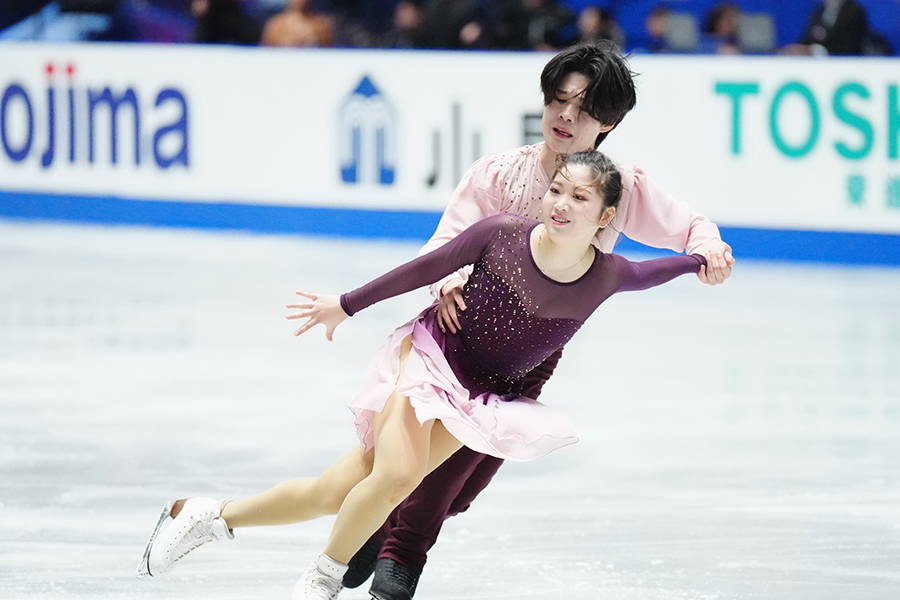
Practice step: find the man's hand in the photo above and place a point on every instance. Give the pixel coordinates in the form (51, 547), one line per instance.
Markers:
(718, 260)
(323, 309)
(451, 298)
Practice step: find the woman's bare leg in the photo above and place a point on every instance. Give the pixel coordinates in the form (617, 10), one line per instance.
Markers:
(289, 502)
(405, 451)
(361, 488)
(301, 499)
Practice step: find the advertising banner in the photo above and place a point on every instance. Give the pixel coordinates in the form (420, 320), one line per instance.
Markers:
(753, 142)
(320, 128)
(772, 141)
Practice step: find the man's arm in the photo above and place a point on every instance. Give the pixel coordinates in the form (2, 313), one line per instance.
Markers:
(655, 218)
(476, 197)
(473, 199)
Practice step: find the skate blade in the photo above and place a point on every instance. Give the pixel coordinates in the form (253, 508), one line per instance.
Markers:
(143, 569)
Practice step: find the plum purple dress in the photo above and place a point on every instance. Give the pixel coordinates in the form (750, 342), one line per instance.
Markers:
(516, 319)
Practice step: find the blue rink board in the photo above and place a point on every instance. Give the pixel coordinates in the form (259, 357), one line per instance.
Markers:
(748, 243)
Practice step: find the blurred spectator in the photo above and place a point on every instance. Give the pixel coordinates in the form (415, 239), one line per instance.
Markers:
(543, 25)
(721, 29)
(595, 23)
(357, 23)
(835, 27)
(298, 25)
(407, 27)
(509, 25)
(223, 22)
(656, 26)
(459, 24)
(876, 44)
(157, 21)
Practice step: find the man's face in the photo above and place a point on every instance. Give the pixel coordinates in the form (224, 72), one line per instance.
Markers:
(565, 126)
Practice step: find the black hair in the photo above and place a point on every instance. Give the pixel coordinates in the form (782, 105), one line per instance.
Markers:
(606, 176)
(610, 93)
(716, 14)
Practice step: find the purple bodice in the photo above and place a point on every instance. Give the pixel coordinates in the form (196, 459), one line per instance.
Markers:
(516, 316)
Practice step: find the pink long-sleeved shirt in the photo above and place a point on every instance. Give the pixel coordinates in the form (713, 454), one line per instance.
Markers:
(515, 182)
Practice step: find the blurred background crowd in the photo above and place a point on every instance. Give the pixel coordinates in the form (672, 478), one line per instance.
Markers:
(818, 27)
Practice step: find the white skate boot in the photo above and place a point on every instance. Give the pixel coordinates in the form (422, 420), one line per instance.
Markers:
(322, 580)
(183, 526)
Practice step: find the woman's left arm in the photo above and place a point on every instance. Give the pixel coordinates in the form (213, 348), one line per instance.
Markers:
(651, 273)
(655, 218)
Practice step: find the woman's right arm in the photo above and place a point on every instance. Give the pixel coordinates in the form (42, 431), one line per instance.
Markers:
(331, 310)
(476, 197)
(473, 199)
(465, 249)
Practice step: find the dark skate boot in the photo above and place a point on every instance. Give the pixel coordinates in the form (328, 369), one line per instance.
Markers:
(362, 565)
(393, 581)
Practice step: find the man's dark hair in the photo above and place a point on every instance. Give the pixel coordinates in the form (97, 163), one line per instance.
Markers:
(610, 93)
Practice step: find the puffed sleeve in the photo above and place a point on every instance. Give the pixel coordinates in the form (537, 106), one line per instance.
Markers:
(655, 218)
(477, 196)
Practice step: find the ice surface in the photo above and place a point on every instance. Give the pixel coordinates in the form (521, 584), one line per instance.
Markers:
(741, 441)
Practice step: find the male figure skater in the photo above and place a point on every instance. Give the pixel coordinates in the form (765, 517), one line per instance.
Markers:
(588, 89)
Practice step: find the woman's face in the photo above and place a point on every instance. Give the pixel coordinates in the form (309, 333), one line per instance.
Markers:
(573, 209)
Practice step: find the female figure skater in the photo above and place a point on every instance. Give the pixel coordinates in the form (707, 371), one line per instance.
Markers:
(533, 285)
(588, 89)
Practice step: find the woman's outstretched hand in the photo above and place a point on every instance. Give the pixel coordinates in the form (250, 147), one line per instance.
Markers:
(321, 309)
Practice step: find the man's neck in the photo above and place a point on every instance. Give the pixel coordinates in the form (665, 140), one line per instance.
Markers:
(548, 159)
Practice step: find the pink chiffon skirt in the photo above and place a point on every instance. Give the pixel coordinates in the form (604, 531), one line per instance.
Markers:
(510, 426)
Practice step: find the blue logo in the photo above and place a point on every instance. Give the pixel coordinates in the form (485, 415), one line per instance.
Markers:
(367, 137)
(79, 112)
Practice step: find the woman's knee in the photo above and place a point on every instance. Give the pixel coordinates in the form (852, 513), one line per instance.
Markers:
(332, 486)
(396, 483)
(330, 503)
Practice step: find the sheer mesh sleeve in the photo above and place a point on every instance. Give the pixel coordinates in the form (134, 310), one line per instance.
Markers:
(651, 273)
(465, 249)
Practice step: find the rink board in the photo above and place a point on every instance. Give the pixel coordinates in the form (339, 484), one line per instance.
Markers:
(749, 243)
(247, 138)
